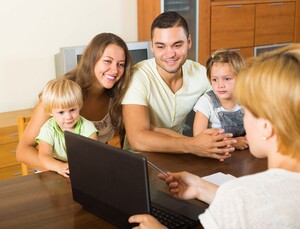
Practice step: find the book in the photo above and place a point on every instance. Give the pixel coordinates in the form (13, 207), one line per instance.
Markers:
(219, 178)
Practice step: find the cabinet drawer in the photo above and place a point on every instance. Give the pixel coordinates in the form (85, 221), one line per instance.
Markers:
(8, 154)
(275, 23)
(10, 172)
(9, 134)
(232, 26)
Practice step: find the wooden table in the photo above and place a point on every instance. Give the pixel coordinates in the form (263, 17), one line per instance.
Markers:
(44, 200)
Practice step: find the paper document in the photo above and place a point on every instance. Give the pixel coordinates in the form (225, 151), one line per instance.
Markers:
(218, 178)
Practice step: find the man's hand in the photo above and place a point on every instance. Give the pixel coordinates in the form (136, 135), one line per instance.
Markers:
(213, 143)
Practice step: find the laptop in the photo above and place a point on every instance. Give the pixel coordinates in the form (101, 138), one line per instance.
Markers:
(113, 184)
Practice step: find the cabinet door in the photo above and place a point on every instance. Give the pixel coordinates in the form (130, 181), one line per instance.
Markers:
(232, 26)
(8, 154)
(274, 23)
(10, 172)
(147, 11)
(9, 134)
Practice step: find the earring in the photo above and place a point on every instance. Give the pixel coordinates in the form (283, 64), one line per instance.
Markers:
(264, 138)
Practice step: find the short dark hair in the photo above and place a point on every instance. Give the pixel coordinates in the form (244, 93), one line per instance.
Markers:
(169, 19)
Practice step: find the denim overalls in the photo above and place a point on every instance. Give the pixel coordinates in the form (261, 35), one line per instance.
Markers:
(231, 121)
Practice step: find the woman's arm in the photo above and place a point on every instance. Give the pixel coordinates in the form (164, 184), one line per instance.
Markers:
(26, 150)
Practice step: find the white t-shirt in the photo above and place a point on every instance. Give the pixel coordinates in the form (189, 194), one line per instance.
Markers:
(206, 107)
(270, 199)
(166, 109)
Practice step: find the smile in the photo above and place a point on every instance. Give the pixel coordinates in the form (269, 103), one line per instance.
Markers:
(171, 62)
(111, 78)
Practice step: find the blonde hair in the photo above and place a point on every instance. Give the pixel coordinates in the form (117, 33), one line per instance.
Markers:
(61, 93)
(225, 56)
(269, 87)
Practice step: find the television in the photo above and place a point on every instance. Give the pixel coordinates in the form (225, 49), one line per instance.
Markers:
(69, 57)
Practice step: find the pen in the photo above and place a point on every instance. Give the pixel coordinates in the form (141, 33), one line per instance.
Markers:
(157, 169)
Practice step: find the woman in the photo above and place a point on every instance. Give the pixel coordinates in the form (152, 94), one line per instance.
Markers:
(269, 90)
(103, 74)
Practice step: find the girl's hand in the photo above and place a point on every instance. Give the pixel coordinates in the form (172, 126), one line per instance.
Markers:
(241, 143)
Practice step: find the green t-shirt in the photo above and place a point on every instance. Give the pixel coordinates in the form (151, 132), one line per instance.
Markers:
(52, 134)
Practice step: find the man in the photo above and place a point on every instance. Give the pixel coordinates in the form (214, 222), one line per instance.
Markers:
(162, 92)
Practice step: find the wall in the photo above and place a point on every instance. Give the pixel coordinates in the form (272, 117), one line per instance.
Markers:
(32, 31)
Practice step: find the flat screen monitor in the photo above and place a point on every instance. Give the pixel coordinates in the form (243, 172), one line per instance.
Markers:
(68, 57)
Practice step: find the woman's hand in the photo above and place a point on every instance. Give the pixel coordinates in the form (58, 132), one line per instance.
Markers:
(145, 221)
(184, 185)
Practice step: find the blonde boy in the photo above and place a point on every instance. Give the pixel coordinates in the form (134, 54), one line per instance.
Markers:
(62, 99)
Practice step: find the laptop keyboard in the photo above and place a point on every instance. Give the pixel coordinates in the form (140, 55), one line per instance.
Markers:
(172, 220)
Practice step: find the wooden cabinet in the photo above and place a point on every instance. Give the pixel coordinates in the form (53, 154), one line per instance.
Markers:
(274, 23)
(244, 25)
(248, 25)
(232, 26)
(9, 166)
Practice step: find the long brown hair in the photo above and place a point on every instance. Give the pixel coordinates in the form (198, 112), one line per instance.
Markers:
(84, 74)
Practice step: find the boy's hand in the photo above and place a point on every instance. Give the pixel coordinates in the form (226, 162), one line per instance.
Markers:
(63, 169)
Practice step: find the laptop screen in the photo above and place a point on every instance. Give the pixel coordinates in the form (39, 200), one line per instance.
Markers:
(110, 182)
